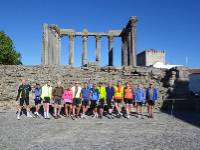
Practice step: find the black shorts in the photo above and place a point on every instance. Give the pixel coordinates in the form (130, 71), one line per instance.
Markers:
(93, 104)
(57, 101)
(85, 102)
(46, 100)
(24, 100)
(118, 101)
(109, 103)
(139, 103)
(37, 100)
(76, 101)
(68, 103)
(128, 101)
(150, 102)
(101, 103)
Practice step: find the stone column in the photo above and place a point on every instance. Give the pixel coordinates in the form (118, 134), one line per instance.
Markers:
(110, 50)
(130, 56)
(71, 49)
(45, 45)
(98, 45)
(133, 21)
(84, 52)
(124, 51)
(51, 45)
(56, 49)
(59, 49)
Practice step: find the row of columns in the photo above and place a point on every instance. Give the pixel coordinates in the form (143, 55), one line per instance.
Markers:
(84, 49)
(52, 36)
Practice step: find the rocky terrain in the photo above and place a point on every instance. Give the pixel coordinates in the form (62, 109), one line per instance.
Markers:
(162, 133)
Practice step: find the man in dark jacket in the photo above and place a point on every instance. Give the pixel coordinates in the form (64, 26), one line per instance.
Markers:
(57, 96)
(23, 97)
(110, 91)
(37, 90)
(151, 97)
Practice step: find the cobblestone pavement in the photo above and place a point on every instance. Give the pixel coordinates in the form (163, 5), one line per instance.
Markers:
(162, 132)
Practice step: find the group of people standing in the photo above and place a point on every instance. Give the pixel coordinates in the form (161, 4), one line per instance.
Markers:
(99, 98)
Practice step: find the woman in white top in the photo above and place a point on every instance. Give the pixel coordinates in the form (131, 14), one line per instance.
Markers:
(76, 91)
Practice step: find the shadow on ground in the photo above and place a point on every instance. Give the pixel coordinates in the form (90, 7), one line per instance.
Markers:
(185, 110)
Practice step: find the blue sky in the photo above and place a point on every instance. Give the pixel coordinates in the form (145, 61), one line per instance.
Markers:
(170, 25)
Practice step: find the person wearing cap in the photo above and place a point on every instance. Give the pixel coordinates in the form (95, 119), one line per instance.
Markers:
(102, 98)
(46, 98)
(85, 95)
(94, 92)
(151, 98)
(37, 92)
(110, 91)
(23, 97)
(118, 97)
(76, 91)
(128, 98)
(139, 99)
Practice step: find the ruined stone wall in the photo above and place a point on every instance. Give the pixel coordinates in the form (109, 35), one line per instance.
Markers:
(177, 82)
(11, 76)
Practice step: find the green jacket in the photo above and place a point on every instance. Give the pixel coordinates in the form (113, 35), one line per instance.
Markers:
(102, 91)
(23, 91)
(46, 91)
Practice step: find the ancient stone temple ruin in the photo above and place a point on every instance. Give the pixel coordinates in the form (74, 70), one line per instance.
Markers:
(52, 35)
(171, 83)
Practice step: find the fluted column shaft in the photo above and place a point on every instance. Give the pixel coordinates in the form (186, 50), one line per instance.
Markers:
(71, 49)
(84, 52)
(98, 46)
(110, 50)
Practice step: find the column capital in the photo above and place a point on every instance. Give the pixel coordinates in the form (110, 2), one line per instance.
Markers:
(85, 32)
(85, 37)
(71, 36)
(133, 20)
(55, 28)
(98, 37)
(110, 37)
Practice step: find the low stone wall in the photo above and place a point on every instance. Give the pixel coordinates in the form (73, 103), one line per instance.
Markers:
(11, 76)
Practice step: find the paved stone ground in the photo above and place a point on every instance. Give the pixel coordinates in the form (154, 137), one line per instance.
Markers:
(163, 132)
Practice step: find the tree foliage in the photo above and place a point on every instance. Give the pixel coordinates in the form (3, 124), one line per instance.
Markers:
(8, 54)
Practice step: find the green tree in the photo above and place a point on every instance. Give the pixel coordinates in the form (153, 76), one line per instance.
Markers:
(8, 54)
